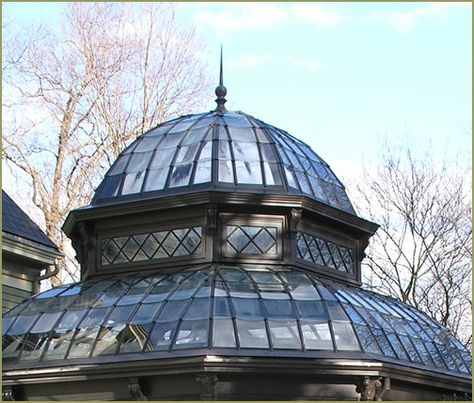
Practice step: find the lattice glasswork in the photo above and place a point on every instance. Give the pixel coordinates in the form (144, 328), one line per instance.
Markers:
(223, 150)
(243, 309)
(313, 249)
(251, 240)
(156, 245)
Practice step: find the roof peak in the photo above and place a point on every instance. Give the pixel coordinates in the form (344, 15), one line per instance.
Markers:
(221, 91)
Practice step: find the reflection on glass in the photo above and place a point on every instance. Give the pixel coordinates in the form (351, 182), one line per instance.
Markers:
(284, 334)
(252, 333)
(316, 336)
(223, 333)
(344, 336)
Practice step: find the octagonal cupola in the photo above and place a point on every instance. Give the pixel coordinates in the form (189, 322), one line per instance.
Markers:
(220, 251)
(219, 186)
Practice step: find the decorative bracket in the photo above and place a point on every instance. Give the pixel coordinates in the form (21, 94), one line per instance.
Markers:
(372, 388)
(7, 394)
(211, 219)
(135, 389)
(87, 239)
(208, 386)
(292, 219)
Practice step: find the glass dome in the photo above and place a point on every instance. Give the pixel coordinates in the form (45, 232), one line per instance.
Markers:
(219, 150)
(248, 311)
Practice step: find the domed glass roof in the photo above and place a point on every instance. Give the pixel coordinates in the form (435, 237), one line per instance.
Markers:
(219, 150)
(271, 312)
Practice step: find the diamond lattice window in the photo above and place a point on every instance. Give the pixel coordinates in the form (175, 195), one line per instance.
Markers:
(251, 240)
(324, 253)
(156, 245)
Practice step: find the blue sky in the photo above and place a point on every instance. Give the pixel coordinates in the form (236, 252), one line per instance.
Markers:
(340, 76)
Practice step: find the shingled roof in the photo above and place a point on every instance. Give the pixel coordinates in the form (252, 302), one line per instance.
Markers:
(15, 221)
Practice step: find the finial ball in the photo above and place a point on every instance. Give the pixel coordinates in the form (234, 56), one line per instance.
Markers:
(221, 91)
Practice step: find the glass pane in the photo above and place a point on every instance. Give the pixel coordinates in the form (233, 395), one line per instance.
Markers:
(279, 308)
(248, 172)
(83, 343)
(224, 150)
(203, 172)
(285, 334)
(171, 140)
(119, 315)
(268, 153)
(70, 319)
(221, 307)
(145, 313)
(245, 151)
(45, 322)
(312, 310)
(160, 292)
(335, 311)
(138, 162)
(223, 333)
(199, 309)
(130, 248)
(180, 175)
(119, 165)
(186, 154)
(133, 182)
(58, 346)
(52, 292)
(134, 338)
(110, 186)
(172, 310)
(22, 324)
(226, 172)
(94, 317)
(195, 135)
(162, 159)
(316, 336)
(383, 342)
(262, 136)
(368, 342)
(397, 346)
(161, 335)
(247, 307)
(107, 341)
(235, 119)
(192, 333)
(240, 134)
(148, 143)
(344, 337)
(252, 333)
(272, 174)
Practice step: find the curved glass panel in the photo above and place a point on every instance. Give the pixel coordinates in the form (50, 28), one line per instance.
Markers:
(211, 307)
(245, 153)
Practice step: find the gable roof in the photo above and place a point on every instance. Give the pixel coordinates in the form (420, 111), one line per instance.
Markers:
(15, 221)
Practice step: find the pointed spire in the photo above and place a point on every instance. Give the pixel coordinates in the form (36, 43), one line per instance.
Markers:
(221, 91)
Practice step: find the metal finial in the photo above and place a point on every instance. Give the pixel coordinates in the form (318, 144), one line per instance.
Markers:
(221, 91)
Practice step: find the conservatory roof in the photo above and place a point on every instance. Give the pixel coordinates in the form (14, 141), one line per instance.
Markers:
(223, 151)
(227, 311)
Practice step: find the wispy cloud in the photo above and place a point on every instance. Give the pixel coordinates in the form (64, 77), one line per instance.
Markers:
(318, 15)
(253, 60)
(248, 60)
(240, 17)
(406, 22)
(232, 18)
(304, 63)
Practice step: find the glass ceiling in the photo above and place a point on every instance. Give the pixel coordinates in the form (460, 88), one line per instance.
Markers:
(228, 310)
(230, 151)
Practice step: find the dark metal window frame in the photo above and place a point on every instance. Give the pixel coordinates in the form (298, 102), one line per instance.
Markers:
(338, 239)
(254, 220)
(201, 255)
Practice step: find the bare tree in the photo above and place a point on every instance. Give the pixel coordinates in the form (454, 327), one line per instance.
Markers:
(72, 100)
(422, 250)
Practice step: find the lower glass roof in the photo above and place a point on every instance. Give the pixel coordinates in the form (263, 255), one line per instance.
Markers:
(246, 310)
(220, 151)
